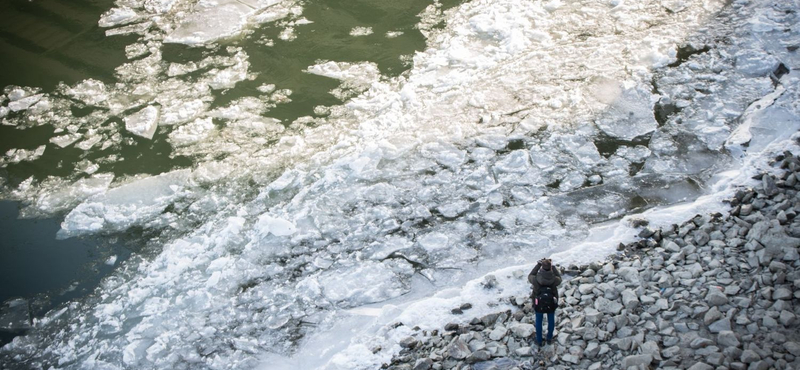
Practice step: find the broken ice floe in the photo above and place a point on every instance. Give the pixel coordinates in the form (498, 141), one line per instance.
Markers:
(125, 206)
(144, 122)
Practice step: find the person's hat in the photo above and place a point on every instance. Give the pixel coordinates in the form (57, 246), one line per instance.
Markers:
(546, 264)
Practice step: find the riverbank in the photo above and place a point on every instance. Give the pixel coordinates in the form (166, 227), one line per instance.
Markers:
(717, 290)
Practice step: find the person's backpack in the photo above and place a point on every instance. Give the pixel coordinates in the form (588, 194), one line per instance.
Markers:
(545, 301)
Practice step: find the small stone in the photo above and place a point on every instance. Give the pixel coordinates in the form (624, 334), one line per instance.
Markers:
(712, 315)
(592, 349)
(769, 322)
(727, 338)
(409, 342)
(781, 293)
(630, 274)
(451, 327)
(423, 364)
(787, 318)
(522, 330)
(793, 348)
(498, 333)
(700, 342)
(571, 359)
(523, 351)
(636, 361)
(749, 356)
(720, 325)
(458, 350)
(701, 366)
(701, 238)
(629, 299)
(478, 356)
(670, 246)
(715, 297)
(606, 306)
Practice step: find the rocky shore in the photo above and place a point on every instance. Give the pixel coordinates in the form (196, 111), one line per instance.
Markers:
(716, 292)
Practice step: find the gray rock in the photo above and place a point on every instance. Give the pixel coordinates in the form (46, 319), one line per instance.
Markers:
(776, 266)
(478, 356)
(701, 238)
(423, 364)
(585, 288)
(592, 315)
(759, 365)
(651, 348)
(522, 330)
(671, 352)
(670, 246)
(409, 342)
(715, 297)
(630, 274)
(727, 338)
(498, 333)
(701, 366)
(781, 293)
(458, 350)
(606, 306)
(700, 342)
(637, 360)
(793, 348)
(571, 359)
(787, 318)
(592, 349)
(720, 325)
(523, 351)
(769, 322)
(712, 315)
(768, 184)
(629, 299)
(749, 356)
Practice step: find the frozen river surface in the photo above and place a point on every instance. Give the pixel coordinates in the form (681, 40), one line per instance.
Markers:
(300, 170)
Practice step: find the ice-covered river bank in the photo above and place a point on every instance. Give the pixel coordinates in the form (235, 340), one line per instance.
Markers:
(520, 127)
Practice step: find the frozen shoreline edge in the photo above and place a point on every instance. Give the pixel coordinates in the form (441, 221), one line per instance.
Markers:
(769, 249)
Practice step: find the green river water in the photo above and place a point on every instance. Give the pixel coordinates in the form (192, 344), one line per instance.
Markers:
(48, 42)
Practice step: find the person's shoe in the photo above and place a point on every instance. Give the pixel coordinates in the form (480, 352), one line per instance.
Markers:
(539, 344)
(549, 342)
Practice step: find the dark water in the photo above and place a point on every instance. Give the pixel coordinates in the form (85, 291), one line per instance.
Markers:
(45, 271)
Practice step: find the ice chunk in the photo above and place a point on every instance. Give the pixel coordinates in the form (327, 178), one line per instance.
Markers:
(213, 21)
(446, 154)
(358, 73)
(346, 285)
(516, 161)
(159, 6)
(111, 261)
(24, 103)
(754, 63)
(276, 226)
(629, 116)
(125, 206)
(361, 31)
(176, 112)
(117, 17)
(434, 241)
(144, 122)
(90, 91)
(192, 132)
(23, 155)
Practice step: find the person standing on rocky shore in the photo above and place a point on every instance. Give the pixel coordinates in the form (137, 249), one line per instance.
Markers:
(545, 279)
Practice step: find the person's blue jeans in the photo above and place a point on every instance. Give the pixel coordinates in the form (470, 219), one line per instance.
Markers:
(551, 325)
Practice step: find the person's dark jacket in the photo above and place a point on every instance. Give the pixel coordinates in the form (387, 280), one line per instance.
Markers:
(541, 277)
